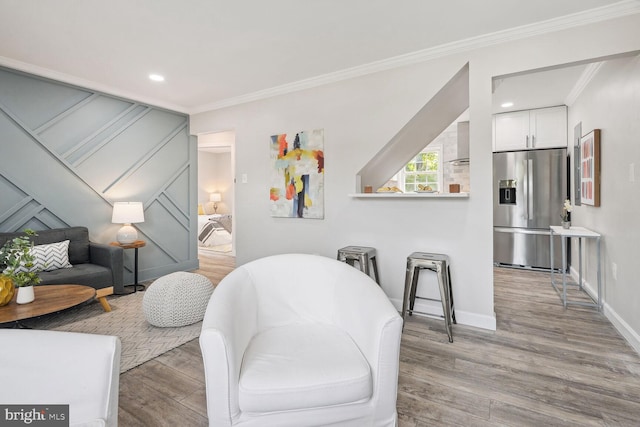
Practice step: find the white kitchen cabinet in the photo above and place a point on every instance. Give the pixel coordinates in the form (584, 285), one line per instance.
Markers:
(530, 129)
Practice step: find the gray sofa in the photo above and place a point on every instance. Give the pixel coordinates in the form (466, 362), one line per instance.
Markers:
(94, 264)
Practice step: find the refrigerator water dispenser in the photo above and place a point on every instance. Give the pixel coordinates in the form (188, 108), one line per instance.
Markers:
(507, 190)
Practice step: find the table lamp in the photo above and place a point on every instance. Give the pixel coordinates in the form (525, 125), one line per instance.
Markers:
(215, 198)
(127, 213)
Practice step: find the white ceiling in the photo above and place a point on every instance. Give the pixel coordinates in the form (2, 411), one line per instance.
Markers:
(215, 53)
(536, 89)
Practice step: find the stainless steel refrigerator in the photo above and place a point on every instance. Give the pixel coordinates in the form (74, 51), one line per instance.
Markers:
(529, 190)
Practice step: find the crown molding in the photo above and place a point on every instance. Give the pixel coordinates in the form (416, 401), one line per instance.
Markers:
(583, 81)
(604, 13)
(616, 10)
(88, 84)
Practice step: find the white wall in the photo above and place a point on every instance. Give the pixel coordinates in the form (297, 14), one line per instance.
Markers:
(224, 180)
(359, 117)
(611, 103)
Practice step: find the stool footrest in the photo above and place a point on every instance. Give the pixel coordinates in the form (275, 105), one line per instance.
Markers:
(422, 313)
(428, 299)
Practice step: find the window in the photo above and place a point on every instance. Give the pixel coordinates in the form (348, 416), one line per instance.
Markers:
(423, 170)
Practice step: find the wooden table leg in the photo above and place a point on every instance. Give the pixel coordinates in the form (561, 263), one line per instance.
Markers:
(101, 295)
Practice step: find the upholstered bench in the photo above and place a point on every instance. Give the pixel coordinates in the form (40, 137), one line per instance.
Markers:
(177, 299)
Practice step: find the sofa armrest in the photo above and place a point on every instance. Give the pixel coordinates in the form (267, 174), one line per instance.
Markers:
(111, 257)
(80, 370)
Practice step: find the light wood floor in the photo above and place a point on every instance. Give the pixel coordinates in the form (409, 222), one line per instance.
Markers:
(543, 366)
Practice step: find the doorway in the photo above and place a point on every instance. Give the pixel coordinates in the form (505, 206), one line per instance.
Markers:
(216, 193)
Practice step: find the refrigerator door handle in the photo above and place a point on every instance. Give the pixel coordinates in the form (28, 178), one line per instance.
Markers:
(530, 188)
(513, 230)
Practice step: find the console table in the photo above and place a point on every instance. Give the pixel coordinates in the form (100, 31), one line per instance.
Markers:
(579, 233)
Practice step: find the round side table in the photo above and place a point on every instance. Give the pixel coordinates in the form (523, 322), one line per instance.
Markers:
(135, 246)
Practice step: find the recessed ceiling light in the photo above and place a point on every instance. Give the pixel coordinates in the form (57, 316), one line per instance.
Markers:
(506, 104)
(156, 77)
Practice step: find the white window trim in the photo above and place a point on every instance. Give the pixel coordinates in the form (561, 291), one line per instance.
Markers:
(400, 176)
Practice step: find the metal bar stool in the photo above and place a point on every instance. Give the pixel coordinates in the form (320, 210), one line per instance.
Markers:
(440, 265)
(363, 255)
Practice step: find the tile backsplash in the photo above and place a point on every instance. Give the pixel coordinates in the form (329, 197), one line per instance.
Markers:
(452, 174)
(459, 174)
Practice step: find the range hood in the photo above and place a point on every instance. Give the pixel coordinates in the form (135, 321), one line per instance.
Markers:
(462, 145)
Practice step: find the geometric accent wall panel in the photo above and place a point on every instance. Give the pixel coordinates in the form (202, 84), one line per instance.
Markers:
(69, 153)
(19, 210)
(18, 91)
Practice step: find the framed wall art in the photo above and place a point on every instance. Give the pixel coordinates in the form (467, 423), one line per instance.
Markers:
(590, 168)
(297, 175)
(577, 136)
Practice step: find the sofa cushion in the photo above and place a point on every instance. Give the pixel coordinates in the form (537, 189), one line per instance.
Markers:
(302, 366)
(92, 275)
(78, 241)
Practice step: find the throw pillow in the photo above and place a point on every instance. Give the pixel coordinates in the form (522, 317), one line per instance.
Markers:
(49, 257)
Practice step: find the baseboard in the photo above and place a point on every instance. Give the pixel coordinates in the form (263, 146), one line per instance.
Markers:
(621, 326)
(433, 308)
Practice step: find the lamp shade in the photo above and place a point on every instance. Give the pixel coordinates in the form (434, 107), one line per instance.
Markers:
(127, 212)
(215, 197)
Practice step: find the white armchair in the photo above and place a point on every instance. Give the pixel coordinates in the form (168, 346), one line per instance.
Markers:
(62, 368)
(300, 340)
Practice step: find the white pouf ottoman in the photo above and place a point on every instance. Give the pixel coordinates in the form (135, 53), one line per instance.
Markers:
(177, 299)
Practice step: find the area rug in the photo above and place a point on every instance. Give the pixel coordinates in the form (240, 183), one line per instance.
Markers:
(140, 341)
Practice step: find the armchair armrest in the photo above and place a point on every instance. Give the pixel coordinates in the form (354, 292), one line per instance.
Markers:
(375, 325)
(223, 341)
(111, 257)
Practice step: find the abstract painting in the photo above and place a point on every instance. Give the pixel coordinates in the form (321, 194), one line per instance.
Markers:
(297, 183)
(590, 168)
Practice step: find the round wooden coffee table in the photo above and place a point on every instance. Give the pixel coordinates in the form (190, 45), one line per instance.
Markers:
(49, 299)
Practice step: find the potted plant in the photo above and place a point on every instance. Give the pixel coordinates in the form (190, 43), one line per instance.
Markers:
(18, 263)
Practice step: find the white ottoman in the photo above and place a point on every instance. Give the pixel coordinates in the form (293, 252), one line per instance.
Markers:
(177, 299)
